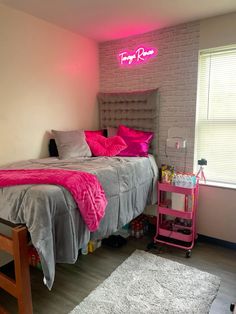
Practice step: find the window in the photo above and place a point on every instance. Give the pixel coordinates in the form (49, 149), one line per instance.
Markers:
(216, 114)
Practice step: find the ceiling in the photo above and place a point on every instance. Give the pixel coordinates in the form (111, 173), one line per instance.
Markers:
(104, 20)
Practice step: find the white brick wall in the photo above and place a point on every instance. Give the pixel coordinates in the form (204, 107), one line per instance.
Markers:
(173, 71)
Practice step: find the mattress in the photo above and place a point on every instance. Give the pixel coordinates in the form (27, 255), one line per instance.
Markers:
(56, 227)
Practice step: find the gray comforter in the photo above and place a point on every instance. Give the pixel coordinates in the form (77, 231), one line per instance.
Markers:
(55, 224)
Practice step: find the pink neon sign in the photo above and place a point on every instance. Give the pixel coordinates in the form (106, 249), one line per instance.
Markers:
(139, 56)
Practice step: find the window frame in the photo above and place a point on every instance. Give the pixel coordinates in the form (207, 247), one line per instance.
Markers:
(205, 52)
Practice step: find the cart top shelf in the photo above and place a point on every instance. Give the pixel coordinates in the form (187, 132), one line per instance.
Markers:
(176, 189)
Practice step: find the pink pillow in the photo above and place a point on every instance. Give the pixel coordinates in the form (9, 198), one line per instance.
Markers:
(103, 146)
(91, 134)
(137, 141)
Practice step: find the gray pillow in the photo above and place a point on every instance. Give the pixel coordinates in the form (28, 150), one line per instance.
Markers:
(71, 144)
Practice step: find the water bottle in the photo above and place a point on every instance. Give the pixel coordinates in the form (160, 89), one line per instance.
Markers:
(184, 180)
(180, 180)
(132, 229)
(177, 180)
(188, 181)
(174, 179)
(84, 249)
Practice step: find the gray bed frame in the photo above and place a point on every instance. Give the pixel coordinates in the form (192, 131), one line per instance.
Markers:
(139, 110)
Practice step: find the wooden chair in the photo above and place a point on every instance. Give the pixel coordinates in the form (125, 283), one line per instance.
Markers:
(20, 288)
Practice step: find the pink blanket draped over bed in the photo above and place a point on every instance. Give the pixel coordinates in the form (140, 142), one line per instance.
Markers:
(84, 187)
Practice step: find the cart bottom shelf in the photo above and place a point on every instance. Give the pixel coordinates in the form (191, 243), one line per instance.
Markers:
(181, 234)
(174, 242)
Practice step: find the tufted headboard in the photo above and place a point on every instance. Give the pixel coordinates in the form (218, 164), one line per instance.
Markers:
(138, 110)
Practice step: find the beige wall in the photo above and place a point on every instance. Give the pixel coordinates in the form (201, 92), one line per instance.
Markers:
(217, 206)
(217, 213)
(218, 31)
(48, 79)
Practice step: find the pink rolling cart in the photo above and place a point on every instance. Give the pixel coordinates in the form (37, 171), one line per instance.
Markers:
(177, 227)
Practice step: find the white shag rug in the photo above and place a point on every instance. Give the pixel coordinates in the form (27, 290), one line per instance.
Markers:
(146, 283)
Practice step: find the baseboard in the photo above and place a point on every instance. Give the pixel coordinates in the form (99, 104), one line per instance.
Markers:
(227, 244)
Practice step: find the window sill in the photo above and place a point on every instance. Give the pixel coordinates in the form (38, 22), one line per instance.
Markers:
(230, 186)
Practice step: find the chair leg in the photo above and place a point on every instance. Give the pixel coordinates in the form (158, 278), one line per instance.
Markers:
(22, 274)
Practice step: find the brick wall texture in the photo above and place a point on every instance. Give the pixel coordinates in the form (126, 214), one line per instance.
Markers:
(173, 72)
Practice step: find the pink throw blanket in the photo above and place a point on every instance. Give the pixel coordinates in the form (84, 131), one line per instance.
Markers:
(84, 187)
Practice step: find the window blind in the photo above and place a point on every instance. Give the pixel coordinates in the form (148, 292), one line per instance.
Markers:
(216, 114)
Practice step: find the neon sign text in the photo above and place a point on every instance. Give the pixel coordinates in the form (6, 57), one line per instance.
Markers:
(140, 55)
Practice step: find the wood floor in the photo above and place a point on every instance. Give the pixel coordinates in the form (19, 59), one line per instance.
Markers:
(74, 282)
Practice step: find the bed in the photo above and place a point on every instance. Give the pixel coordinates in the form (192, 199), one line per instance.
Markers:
(53, 220)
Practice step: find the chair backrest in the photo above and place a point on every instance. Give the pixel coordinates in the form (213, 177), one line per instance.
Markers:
(20, 288)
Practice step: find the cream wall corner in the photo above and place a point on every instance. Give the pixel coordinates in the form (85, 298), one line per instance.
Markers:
(218, 31)
(48, 79)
